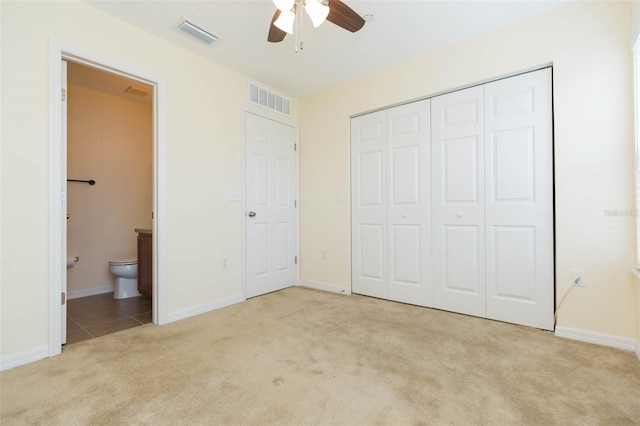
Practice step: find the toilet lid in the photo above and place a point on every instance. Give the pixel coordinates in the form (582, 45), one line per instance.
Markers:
(128, 260)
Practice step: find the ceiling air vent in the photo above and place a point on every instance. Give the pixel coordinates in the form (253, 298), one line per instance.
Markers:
(197, 32)
(268, 99)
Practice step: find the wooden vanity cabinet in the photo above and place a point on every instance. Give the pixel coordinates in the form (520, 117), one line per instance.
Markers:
(145, 269)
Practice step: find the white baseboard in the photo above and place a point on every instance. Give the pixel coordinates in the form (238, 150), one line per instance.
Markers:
(203, 308)
(89, 292)
(333, 288)
(617, 342)
(24, 357)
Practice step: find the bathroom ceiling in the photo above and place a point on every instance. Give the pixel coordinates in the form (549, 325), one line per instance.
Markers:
(106, 82)
(400, 30)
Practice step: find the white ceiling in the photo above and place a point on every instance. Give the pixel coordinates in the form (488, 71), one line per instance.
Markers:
(401, 30)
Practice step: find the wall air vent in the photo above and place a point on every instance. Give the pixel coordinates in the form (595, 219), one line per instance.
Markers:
(137, 91)
(198, 32)
(268, 99)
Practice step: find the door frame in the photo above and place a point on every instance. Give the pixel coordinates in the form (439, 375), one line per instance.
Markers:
(260, 112)
(60, 50)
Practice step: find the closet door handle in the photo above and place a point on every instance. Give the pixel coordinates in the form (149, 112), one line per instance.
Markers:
(252, 214)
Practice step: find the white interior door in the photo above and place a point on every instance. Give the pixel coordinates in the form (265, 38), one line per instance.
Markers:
(369, 204)
(457, 121)
(519, 163)
(63, 128)
(409, 203)
(270, 205)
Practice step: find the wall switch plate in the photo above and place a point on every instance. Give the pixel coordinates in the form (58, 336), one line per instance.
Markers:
(224, 262)
(234, 195)
(579, 278)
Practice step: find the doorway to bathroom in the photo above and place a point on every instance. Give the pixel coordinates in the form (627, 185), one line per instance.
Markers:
(60, 52)
(109, 195)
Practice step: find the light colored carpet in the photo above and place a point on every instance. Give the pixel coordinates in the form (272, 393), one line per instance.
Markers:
(301, 356)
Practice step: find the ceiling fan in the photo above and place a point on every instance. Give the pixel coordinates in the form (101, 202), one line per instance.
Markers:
(334, 11)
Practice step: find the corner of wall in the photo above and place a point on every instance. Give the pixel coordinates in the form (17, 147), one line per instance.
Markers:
(635, 21)
(332, 288)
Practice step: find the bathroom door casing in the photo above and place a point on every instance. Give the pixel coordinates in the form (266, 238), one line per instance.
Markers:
(63, 213)
(271, 206)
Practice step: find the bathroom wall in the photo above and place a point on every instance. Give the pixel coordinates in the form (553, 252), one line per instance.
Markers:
(110, 140)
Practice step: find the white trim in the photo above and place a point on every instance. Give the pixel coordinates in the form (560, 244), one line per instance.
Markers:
(333, 288)
(204, 308)
(160, 239)
(278, 118)
(59, 50)
(56, 177)
(89, 292)
(617, 342)
(296, 133)
(24, 357)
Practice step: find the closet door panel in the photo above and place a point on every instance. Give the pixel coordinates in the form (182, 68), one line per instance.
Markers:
(461, 247)
(519, 164)
(514, 269)
(458, 201)
(369, 205)
(406, 250)
(408, 133)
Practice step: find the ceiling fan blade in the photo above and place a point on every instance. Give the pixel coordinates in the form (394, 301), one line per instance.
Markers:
(343, 16)
(275, 34)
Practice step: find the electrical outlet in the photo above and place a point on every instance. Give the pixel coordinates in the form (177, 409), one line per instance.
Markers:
(224, 262)
(324, 254)
(579, 278)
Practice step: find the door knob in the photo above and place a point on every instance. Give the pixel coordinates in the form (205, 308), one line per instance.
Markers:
(252, 214)
(459, 214)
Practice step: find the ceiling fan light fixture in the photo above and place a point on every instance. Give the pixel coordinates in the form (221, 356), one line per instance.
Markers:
(284, 5)
(317, 11)
(285, 21)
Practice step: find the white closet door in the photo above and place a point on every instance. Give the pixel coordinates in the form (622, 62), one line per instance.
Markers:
(458, 226)
(519, 205)
(409, 203)
(369, 204)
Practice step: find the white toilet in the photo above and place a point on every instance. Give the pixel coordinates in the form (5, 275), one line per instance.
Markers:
(126, 272)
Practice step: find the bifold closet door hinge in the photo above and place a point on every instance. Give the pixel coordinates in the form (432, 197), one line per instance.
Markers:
(63, 298)
(296, 259)
(64, 95)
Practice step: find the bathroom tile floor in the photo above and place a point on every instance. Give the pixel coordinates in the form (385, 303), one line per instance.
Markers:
(95, 316)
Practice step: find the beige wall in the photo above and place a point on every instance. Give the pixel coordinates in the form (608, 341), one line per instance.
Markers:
(635, 21)
(110, 140)
(635, 33)
(204, 157)
(587, 42)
